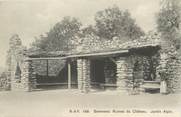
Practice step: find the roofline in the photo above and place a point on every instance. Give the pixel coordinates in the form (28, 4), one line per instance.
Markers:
(81, 55)
(96, 54)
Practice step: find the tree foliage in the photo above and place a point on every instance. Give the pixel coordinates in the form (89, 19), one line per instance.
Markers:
(168, 21)
(112, 22)
(89, 30)
(60, 36)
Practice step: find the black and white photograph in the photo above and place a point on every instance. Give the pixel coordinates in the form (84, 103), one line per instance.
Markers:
(90, 58)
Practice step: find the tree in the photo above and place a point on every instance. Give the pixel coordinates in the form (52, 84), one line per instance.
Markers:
(168, 24)
(89, 30)
(60, 36)
(112, 22)
(168, 21)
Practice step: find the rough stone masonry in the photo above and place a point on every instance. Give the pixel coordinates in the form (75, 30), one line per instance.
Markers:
(24, 79)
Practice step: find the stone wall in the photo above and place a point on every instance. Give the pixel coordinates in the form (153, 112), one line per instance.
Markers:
(169, 63)
(124, 73)
(129, 73)
(178, 75)
(174, 80)
(83, 70)
(169, 69)
(91, 43)
(16, 57)
(28, 76)
(133, 70)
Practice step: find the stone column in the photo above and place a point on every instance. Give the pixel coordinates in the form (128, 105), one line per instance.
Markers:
(28, 76)
(178, 74)
(161, 72)
(83, 68)
(170, 68)
(79, 74)
(124, 73)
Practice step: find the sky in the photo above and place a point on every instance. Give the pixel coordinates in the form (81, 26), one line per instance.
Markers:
(30, 18)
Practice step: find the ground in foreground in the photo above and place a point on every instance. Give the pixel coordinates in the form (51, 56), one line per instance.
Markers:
(60, 102)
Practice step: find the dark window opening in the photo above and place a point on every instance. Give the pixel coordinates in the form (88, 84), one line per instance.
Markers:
(55, 75)
(97, 72)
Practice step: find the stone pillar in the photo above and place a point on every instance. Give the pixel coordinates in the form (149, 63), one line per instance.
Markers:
(28, 76)
(124, 74)
(79, 74)
(178, 81)
(161, 71)
(172, 73)
(83, 69)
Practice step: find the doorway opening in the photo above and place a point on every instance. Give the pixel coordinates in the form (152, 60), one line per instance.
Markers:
(97, 73)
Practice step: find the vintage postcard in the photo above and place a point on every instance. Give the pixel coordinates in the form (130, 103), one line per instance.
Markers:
(90, 58)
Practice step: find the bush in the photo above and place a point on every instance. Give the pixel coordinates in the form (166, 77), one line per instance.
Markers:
(4, 82)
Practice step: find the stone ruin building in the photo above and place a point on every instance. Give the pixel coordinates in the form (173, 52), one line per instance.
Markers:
(133, 66)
